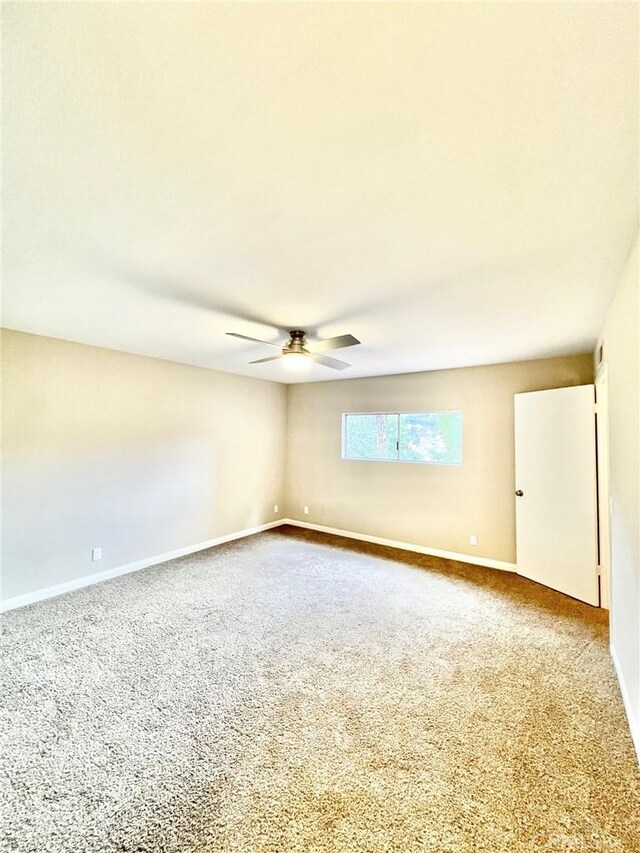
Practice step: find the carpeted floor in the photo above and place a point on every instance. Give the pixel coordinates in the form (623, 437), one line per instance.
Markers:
(300, 692)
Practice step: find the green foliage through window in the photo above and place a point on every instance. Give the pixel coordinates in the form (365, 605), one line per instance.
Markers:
(428, 437)
(371, 436)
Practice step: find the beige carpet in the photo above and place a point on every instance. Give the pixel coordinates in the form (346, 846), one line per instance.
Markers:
(299, 692)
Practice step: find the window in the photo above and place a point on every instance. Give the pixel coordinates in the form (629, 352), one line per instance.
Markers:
(430, 437)
(370, 436)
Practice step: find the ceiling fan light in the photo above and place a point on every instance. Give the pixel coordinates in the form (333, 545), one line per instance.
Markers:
(295, 360)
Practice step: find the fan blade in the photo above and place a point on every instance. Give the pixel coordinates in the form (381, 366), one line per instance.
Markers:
(333, 343)
(253, 340)
(330, 362)
(269, 358)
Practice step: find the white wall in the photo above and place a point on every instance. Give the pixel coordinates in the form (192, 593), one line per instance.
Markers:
(134, 455)
(622, 357)
(433, 506)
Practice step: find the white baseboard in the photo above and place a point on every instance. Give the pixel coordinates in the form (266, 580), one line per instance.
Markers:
(407, 546)
(89, 580)
(634, 725)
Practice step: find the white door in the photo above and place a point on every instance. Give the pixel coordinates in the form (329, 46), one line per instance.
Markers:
(556, 528)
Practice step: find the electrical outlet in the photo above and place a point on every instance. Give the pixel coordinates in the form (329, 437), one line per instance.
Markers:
(275, 507)
(306, 510)
(96, 554)
(473, 539)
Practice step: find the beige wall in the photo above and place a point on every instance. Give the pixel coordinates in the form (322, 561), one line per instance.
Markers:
(622, 357)
(431, 505)
(134, 455)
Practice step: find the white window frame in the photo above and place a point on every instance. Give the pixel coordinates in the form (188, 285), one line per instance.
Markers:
(346, 458)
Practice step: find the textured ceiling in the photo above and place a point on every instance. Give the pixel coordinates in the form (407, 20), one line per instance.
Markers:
(454, 184)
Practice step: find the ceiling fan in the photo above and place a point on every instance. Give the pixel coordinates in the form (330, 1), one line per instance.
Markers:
(297, 353)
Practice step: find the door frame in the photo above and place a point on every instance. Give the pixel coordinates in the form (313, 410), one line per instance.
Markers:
(604, 497)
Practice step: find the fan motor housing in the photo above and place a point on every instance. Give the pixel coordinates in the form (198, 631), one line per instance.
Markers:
(296, 343)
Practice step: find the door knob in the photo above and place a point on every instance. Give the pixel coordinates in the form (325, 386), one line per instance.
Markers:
(519, 493)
